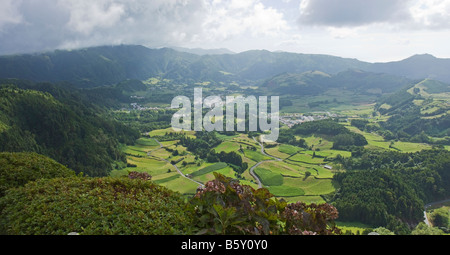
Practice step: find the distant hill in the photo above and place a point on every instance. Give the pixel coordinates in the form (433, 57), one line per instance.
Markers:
(95, 66)
(106, 65)
(262, 64)
(313, 83)
(416, 67)
(422, 108)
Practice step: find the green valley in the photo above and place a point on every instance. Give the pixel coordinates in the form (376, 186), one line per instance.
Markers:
(369, 150)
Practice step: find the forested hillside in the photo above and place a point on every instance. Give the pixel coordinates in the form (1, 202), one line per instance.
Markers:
(93, 67)
(109, 65)
(62, 128)
(391, 188)
(418, 111)
(314, 83)
(416, 67)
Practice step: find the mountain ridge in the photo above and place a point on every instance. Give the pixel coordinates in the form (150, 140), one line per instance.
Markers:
(106, 65)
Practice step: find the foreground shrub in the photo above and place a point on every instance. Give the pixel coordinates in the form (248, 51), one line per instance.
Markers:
(303, 219)
(92, 206)
(224, 206)
(17, 169)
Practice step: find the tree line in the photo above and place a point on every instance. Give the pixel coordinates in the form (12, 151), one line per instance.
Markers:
(202, 146)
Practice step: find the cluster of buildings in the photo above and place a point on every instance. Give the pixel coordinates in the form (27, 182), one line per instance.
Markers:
(296, 118)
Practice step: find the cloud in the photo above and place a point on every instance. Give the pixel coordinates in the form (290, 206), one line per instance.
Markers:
(401, 14)
(228, 20)
(431, 14)
(27, 26)
(153, 23)
(9, 13)
(85, 17)
(37, 26)
(351, 13)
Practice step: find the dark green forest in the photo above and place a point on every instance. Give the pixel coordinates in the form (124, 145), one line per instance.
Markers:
(391, 188)
(68, 130)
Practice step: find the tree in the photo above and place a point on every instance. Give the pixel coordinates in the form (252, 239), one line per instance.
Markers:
(307, 174)
(342, 140)
(424, 229)
(383, 231)
(440, 217)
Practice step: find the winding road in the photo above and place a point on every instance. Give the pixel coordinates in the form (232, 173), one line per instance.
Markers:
(176, 167)
(252, 173)
(431, 204)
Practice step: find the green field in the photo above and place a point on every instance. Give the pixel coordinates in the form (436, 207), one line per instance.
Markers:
(299, 176)
(152, 166)
(256, 156)
(317, 143)
(147, 156)
(276, 152)
(290, 182)
(161, 171)
(209, 169)
(288, 149)
(411, 147)
(284, 168)
(209, 176)
(148, 142)
(329, 153)
(347, 102)
(286, 191)
(353, 227)
(377, 142)
(182, 185)
(285, 179)
(226, 137)
(269, 178)
(227, 147)
(162, 132)
(311, 185)
(306, 158)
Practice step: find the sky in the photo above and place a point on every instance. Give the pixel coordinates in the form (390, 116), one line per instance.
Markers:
(368, 30)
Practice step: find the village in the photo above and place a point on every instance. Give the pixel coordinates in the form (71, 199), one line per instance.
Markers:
(293, 119)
